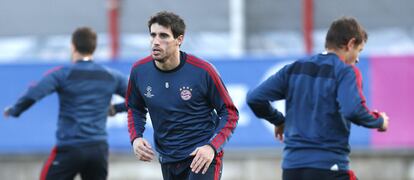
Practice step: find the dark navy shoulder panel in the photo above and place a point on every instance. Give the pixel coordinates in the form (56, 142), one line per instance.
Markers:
(312, 69)
(90, 75)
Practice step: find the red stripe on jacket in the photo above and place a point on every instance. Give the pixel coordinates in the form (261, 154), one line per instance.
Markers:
(50, 71)
(361, 95)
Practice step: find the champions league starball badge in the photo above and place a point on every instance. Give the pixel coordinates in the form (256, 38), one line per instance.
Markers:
(185, 93)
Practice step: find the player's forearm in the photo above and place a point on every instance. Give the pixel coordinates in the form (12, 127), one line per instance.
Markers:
(228, 122)
(22, 105)
(368, 119)
(218, 142)
(121, 107)
(264, 110)
(136, 123)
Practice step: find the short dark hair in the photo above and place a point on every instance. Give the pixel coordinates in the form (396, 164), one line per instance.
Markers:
(168, 20)
(84, 40)
(342, 30)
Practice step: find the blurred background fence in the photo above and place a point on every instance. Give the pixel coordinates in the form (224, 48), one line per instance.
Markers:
(246, 40)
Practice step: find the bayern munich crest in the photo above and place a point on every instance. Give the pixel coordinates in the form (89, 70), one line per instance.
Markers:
(185, 93)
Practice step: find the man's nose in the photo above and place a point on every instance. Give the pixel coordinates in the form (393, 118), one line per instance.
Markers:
(156, 40)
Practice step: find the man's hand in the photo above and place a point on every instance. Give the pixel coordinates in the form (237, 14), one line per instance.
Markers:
(6, 112)
(143, 150)
(111, 111)
(279, 132)
(385, 123)
(203, 156)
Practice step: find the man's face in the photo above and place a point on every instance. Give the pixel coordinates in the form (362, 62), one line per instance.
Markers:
(163, 44)
(353, 53)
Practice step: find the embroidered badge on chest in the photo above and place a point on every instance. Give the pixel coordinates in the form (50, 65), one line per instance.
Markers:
(185, 93)
(149, 94)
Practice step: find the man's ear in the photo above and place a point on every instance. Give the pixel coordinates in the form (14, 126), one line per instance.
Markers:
(350, 45)
(180, 39)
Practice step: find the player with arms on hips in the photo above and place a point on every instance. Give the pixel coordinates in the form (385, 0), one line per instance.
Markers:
(190, 108)
(323, 97)
(85, 90)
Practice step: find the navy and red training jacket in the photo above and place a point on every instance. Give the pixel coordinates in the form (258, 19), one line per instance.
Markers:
(323, 96)
(189, 107)
(85, 90)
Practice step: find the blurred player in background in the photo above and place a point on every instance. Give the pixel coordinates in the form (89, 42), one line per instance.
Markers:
(323, 97)
(190, 108)
(85, 90)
